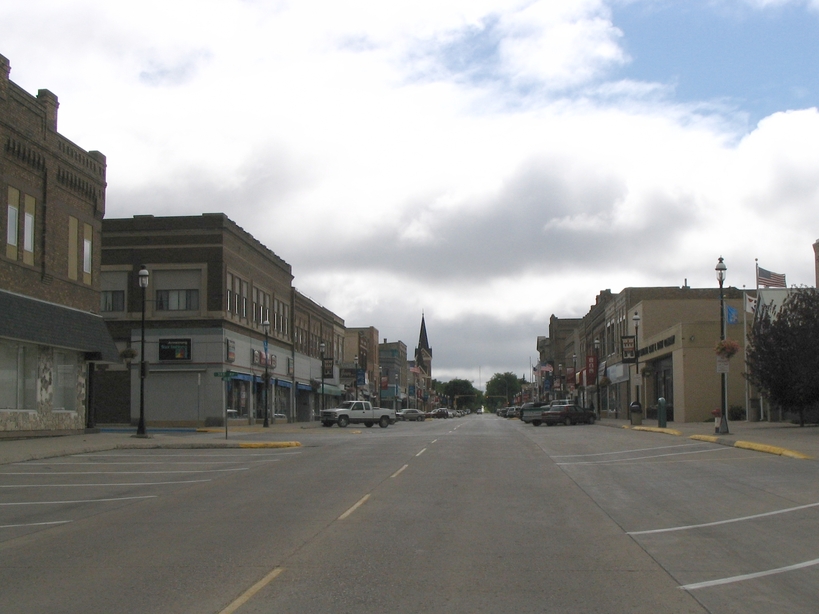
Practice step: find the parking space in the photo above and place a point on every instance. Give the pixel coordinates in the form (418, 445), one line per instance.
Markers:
(38, 495)
(728, 524)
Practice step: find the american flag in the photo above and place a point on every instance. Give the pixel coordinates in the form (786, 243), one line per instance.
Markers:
(769, 279)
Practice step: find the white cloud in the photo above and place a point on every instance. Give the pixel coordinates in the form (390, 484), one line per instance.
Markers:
(480, 160)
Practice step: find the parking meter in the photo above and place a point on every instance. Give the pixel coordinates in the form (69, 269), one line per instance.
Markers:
(661, 413)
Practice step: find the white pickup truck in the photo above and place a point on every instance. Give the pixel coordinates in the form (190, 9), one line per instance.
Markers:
(357, 412)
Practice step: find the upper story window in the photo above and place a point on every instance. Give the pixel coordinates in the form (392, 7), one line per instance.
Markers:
(113, 285)
(177, 289)
(112, 300)
(177, 300)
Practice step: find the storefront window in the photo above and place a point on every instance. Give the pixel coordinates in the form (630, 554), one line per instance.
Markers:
(18, 375)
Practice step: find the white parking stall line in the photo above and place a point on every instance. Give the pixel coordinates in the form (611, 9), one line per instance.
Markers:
(102, 484)
(729, 521)
(684, 445)
(750, 576)
(33, 524)
(2, 473)
(634, 458)
(79, 501)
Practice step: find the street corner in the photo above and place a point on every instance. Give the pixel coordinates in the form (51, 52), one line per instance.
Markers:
(656, 429)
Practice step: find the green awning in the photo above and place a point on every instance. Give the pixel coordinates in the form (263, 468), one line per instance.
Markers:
(331, 390)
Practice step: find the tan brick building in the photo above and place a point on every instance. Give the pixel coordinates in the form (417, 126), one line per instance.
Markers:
(51, 332)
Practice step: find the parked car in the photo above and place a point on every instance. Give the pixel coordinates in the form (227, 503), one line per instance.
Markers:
(412, 415)
(567, 414)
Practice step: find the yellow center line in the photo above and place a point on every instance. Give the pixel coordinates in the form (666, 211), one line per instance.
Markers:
(252, 591)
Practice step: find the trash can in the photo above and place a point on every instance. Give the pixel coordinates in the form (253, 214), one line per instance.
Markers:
(636, 411)
(661, 413)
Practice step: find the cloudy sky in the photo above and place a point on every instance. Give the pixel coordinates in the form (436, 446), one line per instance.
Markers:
(486, 162)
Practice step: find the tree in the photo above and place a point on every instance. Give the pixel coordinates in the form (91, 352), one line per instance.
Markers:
(783, 355)
(461, 394)
(501, 389)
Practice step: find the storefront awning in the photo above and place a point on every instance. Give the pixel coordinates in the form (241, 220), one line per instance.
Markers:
(332, 390)
(34, 321)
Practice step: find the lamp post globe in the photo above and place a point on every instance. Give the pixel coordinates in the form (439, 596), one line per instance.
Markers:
(143, 283)
(721, 271)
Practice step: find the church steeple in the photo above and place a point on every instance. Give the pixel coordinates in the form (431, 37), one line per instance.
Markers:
(423, 341)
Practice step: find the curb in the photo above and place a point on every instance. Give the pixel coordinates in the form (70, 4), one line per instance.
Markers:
(745, 445)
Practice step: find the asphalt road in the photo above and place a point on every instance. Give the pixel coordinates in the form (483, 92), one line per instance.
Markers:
(477, 514)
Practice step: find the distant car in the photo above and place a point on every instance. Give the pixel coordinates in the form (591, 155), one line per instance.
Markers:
(567, 414)
(280, 417)
(442, 412)
(412, 415)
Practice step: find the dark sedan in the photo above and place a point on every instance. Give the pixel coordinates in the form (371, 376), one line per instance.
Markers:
(567, 414)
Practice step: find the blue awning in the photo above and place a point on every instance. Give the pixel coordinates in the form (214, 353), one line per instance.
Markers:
(283, 383)
(306, 387)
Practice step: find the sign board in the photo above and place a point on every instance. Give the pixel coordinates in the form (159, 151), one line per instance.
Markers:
(230, 350)
(591, 369)
(628, 348)
(174, 349)
(327, 368)
(722, 364)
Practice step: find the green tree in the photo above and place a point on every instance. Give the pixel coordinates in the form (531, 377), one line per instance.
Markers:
(501, 389)
(461, 394)
(783, 355)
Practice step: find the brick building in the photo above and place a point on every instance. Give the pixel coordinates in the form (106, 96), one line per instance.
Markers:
(51, 332)
(211, 288)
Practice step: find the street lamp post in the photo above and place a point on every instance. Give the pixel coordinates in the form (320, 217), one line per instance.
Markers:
(356, 377)
(574, 375)
(636, 319)
(597, 373)
(266, 424)
(395, 398)
(143, 283)
(721, 270)
(322, 347)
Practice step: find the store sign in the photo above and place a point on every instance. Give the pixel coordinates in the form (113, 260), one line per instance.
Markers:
(230, 350)
(260, 358)
(174, 349)
(591, 368)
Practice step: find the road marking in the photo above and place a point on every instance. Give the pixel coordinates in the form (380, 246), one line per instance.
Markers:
(33, 524)
(98, 485)
(121, 472)
(81, 501)
(421, 452)
(354, 508)
(719, 522)
(684, 445)
(252, 591)
(395, 475)
(750, 576)
(625, 460)
(434, 440)
(84, 463)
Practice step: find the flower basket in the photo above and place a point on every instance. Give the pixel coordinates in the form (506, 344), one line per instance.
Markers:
(604, 381)
(726, 348)
(128, 354)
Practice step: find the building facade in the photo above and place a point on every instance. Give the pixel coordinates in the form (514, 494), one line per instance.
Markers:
(394, 370)
(51, 332)
(212, 287)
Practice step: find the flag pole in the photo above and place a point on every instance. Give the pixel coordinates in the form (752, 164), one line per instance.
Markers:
(745, 351)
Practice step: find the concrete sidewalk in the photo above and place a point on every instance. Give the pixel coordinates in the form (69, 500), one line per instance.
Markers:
(781, 438)
(33, 448)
